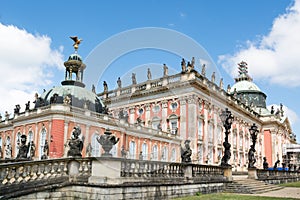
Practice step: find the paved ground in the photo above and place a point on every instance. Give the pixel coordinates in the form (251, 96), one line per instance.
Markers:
(290, 192)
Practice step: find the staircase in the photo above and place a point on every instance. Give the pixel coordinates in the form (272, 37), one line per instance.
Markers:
(250, 186)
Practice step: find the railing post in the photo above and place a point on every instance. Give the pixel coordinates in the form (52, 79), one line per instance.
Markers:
(252, 173)
(188, 171)
(228, 173)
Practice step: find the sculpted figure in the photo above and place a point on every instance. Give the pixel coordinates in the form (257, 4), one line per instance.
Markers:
(75, 144)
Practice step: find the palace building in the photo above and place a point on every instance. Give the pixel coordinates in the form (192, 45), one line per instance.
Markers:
(152, 118)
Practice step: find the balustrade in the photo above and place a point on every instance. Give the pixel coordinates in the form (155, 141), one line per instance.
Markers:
(275, 174)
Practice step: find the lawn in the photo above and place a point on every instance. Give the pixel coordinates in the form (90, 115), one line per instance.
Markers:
(292, 184)
(229, 196)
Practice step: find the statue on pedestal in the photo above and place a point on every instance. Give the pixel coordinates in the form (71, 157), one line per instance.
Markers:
(23, 149)
(76, 143)
(265, 164)
(186, 152)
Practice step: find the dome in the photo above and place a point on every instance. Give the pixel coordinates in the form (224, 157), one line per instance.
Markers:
(244, 86)
(80, 97)
(75, 56)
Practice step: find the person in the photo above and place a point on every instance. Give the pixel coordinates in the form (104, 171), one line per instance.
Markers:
(265, 164)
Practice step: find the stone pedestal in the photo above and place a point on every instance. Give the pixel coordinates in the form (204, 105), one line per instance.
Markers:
(105, 170)
(228, 173)
(73, 168)
(188, 171)
(252, 174)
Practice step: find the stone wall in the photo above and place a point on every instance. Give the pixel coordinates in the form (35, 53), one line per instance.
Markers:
(113, 192)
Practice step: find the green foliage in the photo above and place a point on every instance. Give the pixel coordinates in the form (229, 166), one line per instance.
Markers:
(228, 196)
(292, 184)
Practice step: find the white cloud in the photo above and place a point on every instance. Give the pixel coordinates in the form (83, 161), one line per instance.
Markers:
(274, 57)
(26, 63)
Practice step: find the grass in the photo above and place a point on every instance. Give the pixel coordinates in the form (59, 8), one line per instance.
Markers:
(292, 184)
(230, 196)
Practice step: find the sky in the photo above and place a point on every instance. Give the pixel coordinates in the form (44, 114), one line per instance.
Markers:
(34, 43)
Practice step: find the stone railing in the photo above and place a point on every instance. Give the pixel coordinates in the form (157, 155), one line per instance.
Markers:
(206, 172)
(135, 168)
(275, 174)
(31, 174)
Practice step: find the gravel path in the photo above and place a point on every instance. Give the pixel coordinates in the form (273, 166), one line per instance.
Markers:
(290, 192)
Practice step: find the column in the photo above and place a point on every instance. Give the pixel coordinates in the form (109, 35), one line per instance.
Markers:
(164, 114)
(183, 125)
(131, 115)
(147, 114)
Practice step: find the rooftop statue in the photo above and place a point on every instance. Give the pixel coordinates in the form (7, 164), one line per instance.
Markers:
(76, 42)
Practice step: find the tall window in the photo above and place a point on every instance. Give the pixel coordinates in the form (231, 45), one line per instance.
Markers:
(145, 151)
(1, 147)
(8, 148)
(173, 124)
(132, 152)
(30, 136)
(210, 155)
(154, 152)
(173, 155)
(42, 141)
(155, 122)
(241, 140)
(219, 133)
(200, 153)
(164, 156)
(17, 143)
(200, 129)
(210, 132)
(96, 146)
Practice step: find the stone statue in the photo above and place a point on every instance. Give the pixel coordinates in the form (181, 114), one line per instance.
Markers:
(183, 65)
(27, 106)
(133, 79)
(141, 156)
(221, 83)
(166, 70)
(76, 143)
(281, 110)
(67, 100)
(213, 77)
(67, 148)
(186, 152)
(8, 152)
(45, 150)
(105, 87)
(193, 62)
(93, 89)
(251, 157)
(89, 149)
(203, 71)
(53, 99)
(228, 88)
(265, 164)
(17, 109)
(149, 76)
(23, 149)
(272, 110)
(119, 82)
(123, 152)
(31, 152)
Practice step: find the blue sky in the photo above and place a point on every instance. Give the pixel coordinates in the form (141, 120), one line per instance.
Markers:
(35, 42)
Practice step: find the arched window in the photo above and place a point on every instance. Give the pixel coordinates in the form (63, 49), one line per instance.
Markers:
(173, 155)
(30, 136)
(145, 151)
(96, 146)
(155, 122)
(173, 120)
(154, 152)
(17, 143)
(132, 152)
(42, 142)
(164, 156)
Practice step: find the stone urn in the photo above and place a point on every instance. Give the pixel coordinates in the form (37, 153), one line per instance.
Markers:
(107, 141)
